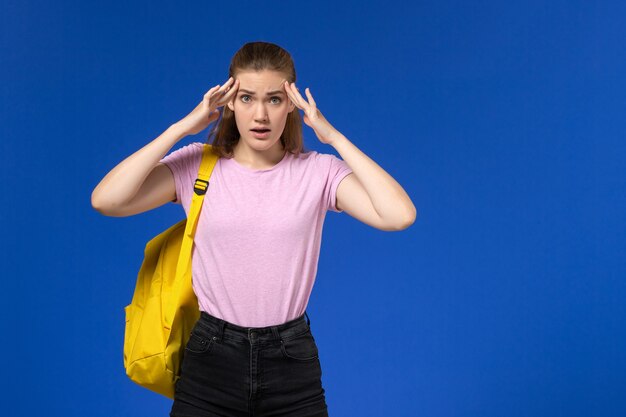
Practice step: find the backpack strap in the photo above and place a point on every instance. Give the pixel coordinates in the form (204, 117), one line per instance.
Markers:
(209, 159)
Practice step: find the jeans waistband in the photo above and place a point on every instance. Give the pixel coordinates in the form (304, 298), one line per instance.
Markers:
(222, 328)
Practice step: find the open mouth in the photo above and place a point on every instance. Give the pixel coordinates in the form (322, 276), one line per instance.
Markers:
(260, 133)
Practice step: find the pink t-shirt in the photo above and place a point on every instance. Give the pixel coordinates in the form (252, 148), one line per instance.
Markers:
(258, 237)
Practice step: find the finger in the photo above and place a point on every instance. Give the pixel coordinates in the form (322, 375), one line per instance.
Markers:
(292, 97)
(225, 87)
(296, 97)
(217, 95)
(283, 82)
(308, 94)
(230, 88)
(218, 90)
(226, 98)
(210, 92)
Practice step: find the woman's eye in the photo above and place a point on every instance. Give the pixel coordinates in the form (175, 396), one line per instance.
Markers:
(246, 95)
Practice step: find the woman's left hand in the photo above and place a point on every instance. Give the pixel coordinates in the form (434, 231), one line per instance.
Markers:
(324, 131)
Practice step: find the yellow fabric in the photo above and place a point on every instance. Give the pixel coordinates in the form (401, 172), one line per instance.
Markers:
(164, 307)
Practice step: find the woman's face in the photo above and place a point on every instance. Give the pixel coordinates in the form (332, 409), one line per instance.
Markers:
(261, 102)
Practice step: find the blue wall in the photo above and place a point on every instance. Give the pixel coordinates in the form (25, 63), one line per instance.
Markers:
(503, 121)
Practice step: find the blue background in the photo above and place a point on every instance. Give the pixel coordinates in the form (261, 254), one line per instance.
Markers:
(503, 121)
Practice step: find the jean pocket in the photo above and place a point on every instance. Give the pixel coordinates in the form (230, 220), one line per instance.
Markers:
(200, 343)
(301, 347)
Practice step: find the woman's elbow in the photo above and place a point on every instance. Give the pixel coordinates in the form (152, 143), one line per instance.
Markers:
(408, 220)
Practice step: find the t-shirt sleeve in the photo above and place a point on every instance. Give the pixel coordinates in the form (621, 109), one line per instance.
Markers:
(335, 170)
(184, 164)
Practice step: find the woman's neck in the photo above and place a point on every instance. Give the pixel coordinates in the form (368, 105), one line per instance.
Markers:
(254, 159)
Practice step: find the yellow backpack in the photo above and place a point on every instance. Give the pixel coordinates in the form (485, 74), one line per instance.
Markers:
(164, 307)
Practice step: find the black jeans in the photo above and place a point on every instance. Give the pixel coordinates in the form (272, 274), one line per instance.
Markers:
(229, 370)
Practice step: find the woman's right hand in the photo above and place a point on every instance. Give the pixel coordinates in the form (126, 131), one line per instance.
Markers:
(206, 112)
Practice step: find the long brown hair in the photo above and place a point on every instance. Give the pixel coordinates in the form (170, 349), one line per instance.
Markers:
(258, 56)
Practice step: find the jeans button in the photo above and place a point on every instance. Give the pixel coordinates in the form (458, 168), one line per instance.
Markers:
(253, 335)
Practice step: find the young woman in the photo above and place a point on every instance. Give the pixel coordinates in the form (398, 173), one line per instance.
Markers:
(258, 237)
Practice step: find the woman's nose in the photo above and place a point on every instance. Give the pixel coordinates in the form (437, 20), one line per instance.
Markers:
(260, 112)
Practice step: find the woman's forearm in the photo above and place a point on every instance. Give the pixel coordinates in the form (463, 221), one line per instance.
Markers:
(388, 198)
(121, 184)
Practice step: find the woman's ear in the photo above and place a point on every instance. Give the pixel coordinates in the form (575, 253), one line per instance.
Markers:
(291, 106)
(231, 106)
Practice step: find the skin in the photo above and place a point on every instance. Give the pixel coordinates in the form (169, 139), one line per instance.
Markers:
(368, 194)
(313, 117)
(260, 110)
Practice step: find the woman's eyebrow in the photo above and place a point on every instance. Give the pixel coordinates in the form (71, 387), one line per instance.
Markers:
(269, 94)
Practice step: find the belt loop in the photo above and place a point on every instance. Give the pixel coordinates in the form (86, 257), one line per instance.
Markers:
(308, 322)
(221, 331)
(275, 333)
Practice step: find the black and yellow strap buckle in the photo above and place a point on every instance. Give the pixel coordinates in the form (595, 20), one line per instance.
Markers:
(200, 186)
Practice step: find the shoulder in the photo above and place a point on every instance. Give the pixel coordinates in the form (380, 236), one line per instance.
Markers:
(325, 165)
(188, 151)
(314, 161)
(194, 147)
(318, 158)
(184, 158)
(328, 162)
